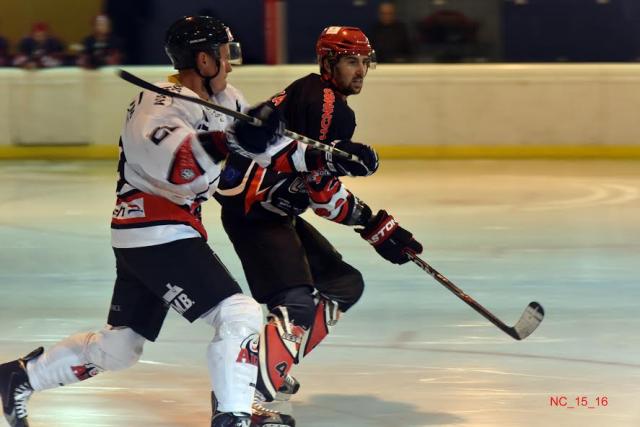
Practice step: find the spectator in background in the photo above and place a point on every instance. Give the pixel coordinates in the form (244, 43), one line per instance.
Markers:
(39, 49)
(102, 47)
(5, 58)
(390, 36)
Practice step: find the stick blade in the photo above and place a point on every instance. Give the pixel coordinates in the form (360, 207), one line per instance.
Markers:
(529, 321)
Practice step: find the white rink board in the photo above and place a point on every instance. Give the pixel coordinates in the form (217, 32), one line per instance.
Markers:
(432, 105)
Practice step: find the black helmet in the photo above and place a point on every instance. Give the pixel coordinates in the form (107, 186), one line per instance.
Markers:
(192, 34)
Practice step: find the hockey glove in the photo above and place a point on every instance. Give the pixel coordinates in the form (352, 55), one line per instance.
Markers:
(256, 139)
(367, 164)
(215, 144)
(390, 240)
(288, 196)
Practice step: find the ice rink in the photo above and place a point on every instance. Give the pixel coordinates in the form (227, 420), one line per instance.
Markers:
(563, 233)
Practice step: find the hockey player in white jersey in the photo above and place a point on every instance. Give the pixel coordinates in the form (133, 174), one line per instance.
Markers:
(170, 155)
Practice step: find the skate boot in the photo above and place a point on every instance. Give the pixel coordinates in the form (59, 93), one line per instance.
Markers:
(288, 389)
(230, 419)
(16, 390)
(262, 416)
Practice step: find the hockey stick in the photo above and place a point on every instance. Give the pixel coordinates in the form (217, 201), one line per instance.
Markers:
(233, 113)
(529, 321)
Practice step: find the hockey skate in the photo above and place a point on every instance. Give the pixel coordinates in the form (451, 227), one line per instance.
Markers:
(288, 389)
(262, 416)
(15, 389)
(230, 419)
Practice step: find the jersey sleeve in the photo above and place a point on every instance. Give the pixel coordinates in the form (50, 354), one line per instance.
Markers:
(162, 147)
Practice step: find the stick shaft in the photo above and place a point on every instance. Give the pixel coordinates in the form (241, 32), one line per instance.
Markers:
(462, 295)
(233, 113)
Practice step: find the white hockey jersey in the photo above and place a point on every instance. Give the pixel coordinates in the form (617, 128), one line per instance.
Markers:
(164, 172)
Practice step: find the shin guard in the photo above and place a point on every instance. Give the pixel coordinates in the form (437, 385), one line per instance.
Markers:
(279, 347)
(326, 316)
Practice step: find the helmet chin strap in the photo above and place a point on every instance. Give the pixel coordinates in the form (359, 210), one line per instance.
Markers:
(206, 80)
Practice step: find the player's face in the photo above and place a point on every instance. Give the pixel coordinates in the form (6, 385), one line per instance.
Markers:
(219, 82)
(349, 73)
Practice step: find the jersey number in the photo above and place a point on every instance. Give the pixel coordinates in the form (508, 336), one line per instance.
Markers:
(161, 133)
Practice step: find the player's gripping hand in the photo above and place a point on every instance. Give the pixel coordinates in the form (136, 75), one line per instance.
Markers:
(256, 139)
(390, 240)
(365, 166)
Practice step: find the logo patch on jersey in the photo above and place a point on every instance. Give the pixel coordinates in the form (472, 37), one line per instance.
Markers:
(131, 209)
(177, 299)
(249, 350)
(297, 186)
(231, 176)
(187, 174)
(83, 372)
(277, 100)
(327, 113)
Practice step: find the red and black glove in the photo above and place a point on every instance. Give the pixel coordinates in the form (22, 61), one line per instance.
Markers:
(390, 240)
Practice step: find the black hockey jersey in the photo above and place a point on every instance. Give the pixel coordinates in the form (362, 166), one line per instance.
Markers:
(310, 106)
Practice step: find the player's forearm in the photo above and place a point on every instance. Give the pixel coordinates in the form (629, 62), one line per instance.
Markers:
(330, 199)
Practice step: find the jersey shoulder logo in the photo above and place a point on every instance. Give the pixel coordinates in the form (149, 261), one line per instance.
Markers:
(277, 100)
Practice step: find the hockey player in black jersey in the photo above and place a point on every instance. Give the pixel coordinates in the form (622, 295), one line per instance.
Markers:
(289, 265)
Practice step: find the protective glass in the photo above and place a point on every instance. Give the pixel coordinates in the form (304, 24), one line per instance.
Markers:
(235, 53)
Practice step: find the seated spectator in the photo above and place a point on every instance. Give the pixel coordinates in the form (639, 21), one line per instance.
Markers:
(5, 58)
(40, 49)
(102, 47)
(389, 36)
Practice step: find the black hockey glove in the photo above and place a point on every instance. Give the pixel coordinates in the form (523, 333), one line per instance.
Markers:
(256, 139)
(288, 196)
(215, 144)
(389, 239)
(366, 166)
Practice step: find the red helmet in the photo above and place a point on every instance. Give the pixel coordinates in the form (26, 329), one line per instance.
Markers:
(337, 41)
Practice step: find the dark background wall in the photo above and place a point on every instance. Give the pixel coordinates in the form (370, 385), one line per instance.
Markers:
(486, 13)
(244, 17)
(306, 19)
(508, 30)
(571, 30)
